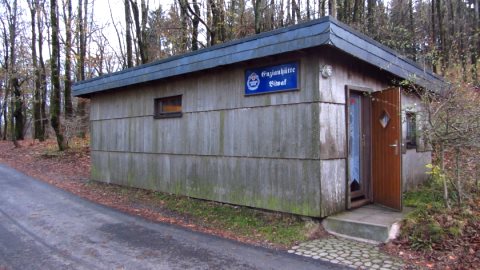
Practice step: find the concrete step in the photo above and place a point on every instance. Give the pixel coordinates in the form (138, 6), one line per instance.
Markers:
(369, 223)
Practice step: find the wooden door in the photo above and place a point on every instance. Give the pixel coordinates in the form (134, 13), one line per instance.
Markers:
(386, 148)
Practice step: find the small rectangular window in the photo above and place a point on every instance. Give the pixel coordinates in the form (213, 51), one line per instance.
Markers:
(168, 107)
(411, 139)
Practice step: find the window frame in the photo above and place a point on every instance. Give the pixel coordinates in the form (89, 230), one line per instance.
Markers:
(157, 108)
(411, 140)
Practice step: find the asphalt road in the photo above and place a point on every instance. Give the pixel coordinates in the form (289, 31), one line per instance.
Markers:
(43, 227)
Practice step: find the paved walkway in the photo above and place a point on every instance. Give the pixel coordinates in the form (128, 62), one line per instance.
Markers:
(347, 252)
(42, 227)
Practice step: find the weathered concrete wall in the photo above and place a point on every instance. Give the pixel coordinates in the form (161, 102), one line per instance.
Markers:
(280, 151)
(413, 160)
(260, 151)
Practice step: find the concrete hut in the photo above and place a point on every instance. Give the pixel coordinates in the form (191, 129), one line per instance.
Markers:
(303, 119)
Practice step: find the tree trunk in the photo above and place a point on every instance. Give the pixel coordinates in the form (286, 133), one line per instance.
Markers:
(43, 134)
(144, 31)
(296, 11)
(222, 31)
(183, 25)
(55, 94)
(12, 117)
(289, 16)
(13, 85)
(195, 23)
(128, 34)
(371, 6)
(457, 175)
(37, 121)
(68, 105)
(442, 49)
(232, 13)
(211, 33)
(217, 22)
(140, 28)
(5, 116)
(475, 46)
(241, 8)
(82, 44)
(281, 14)
(82, 51)
(413, 40)
(1, 115)
(357, 6)
(308, 10)
(18, 109)
(332, 8)
(444, 178)
(258, 16)
(346, 12)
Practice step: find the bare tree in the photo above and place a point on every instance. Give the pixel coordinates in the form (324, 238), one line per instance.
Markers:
(183, 24)
(37, 121)
(217, 27)
(258, 11)
(43, 73)
(55, 70)
(332, 8)
(82, 18)
(12, 81)
(296, 10)
(140, 28)
(67, 17)
(128, 34)
(195, 23)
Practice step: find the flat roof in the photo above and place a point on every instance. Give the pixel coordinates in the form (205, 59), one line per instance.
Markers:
(325, 31)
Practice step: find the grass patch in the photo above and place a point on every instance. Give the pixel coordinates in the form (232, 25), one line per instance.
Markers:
(277, 228)
(430, 225)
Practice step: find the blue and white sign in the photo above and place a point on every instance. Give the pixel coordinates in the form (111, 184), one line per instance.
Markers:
(271, 79)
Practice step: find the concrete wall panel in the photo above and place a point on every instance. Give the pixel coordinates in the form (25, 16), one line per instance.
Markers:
(333, 188)
(332, 131)
(258, 182)
(218, 89)
(283, 131)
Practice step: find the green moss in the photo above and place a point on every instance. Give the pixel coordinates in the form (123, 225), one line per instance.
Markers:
(151, 182)
(130, 179)
(201, 189)
(95, 173)
(267, 100)
(222, 132)
(430, 223)
(178, 187)
(455, 231)
(276, 228)
(315, 132)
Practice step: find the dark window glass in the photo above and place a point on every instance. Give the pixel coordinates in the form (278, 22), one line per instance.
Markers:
(168, 107)
(411, 139)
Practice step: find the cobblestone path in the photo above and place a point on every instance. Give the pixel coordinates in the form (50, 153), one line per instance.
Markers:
(347, 252)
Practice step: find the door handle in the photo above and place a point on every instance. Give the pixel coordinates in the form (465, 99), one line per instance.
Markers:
(396, 146)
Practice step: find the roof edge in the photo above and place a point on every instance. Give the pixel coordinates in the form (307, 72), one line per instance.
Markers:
(323, 31)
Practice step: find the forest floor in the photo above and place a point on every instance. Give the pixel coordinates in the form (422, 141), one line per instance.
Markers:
(70, 170)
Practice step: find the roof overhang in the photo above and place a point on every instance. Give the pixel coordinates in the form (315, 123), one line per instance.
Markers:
(322, 32)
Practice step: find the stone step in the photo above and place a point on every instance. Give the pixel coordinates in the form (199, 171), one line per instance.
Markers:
(369, 223)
